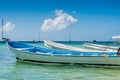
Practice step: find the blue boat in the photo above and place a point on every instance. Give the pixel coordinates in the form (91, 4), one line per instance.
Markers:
(26, 52)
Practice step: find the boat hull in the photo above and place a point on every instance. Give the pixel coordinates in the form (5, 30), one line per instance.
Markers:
(39, 57)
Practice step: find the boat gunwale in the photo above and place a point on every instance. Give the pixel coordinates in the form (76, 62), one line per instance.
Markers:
(64, 55)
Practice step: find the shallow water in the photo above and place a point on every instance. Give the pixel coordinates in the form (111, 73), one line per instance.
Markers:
(10, 69)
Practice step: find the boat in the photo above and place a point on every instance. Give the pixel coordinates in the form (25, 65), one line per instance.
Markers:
(101, 47)
(104, 47)
(33, 41)
(55, 45)
(117, 38)
(3, 40)
(30, 53)
(1, 29)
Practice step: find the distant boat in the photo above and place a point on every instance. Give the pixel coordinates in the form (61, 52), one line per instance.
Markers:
(2, 40)
(70, 37)
(94, 41)
(36, 54)
(103, 47)
(117, 38)
(2, 30)
(33, 41)
(100, 47)
(55, 45)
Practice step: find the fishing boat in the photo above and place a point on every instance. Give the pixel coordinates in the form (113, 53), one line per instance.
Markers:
(101, 47)
(26, 52)
(55, 45)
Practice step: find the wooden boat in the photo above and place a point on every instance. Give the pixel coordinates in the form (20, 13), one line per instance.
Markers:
(36, 54)
(101, 47)
(55, 45)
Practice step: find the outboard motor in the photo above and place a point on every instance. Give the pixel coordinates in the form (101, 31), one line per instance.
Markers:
(118, 52)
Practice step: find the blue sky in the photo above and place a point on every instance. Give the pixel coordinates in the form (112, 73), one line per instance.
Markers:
(90, 19)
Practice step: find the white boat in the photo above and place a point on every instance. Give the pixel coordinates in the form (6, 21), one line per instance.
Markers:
(117, 38)
(101, 47)
(55, 45)
(36, 54)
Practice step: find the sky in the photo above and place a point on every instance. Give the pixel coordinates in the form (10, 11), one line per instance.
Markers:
(58, 20)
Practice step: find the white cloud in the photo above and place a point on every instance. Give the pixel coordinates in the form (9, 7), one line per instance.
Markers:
(60, 22)
(8, 27)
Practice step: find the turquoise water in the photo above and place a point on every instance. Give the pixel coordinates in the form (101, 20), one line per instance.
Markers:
(10, 69)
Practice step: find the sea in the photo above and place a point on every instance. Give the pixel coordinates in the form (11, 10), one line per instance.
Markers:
(11, 69)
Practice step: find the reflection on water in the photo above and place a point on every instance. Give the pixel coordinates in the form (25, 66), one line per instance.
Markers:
(10, 69)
